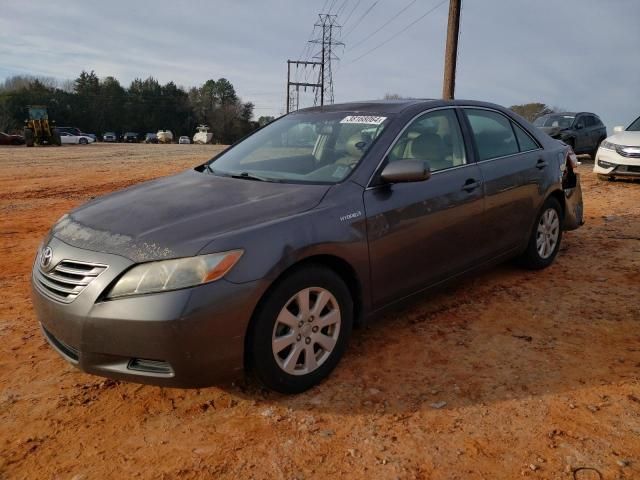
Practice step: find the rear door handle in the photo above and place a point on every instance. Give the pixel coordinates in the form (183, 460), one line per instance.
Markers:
(470, 185)
(541, 164)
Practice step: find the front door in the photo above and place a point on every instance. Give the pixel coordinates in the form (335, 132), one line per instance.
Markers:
(421, 233)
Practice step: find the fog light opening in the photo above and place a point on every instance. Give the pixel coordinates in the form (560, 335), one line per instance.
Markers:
(150, 366)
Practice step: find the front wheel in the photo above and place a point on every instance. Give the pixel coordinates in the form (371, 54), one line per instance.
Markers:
(301, 331)
(83, 141)
(544, 242)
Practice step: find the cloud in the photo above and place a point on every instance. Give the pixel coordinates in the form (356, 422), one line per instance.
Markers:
(579, 54)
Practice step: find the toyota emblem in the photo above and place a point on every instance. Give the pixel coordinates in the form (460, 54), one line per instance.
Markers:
(45, 257)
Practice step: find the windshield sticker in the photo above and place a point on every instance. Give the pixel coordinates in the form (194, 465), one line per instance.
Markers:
(363, 119)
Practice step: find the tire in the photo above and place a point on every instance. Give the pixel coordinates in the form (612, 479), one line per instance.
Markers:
(595, 150)
(280, 318)
(83, 141)
(28, 137)
(538, 256)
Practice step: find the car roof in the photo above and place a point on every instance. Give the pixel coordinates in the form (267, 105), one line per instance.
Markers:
(393, 106)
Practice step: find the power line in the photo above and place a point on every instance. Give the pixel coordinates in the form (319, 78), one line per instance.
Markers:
(332, 4)
(361, 18)
(383, 25)
(344, 4)
(352, 10)
(399, 32)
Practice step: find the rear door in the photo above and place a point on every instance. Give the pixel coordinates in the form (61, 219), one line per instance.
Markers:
(423, 232)
(582, 142)
(513, 167)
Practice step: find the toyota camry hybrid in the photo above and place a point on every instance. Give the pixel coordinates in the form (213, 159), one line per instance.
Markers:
(264, 257)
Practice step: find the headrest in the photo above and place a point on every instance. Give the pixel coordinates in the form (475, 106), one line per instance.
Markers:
(356, 145)
(427, 146)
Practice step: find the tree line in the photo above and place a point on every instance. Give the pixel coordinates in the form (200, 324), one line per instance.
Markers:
(98, 105)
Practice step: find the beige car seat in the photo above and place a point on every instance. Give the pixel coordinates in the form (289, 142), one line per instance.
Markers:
(355, 147)
(430, 147)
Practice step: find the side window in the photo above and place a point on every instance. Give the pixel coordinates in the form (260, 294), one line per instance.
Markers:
(589, 121)
(434, 137)
(524, 140)
(493, 134)
(580, 121)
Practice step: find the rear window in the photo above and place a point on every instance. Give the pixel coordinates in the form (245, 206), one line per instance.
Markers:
(524, 140)
(493, 134)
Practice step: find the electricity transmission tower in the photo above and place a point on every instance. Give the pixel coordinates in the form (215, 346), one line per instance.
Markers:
(327, 40)
(329, 34)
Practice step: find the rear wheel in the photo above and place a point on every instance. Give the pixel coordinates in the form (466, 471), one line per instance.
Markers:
(301, 331)
(546, 236)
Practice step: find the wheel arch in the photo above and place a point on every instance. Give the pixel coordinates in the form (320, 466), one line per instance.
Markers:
(333, 262)
(559, 196)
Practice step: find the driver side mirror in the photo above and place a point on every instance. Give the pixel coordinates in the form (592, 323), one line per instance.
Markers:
(404, 171)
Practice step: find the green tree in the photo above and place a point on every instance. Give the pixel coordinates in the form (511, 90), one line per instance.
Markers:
(531, 111)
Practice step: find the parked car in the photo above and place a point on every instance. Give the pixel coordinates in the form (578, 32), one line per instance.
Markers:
(619, 154)
(150, 138)
(110, 137)
(263, 258)
(184, 139)
(6, 139)
(130, 137)
(165, 136)
(582, 131)
(71, 130)
(66, 137)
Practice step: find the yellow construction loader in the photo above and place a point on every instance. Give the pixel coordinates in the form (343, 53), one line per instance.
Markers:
(38, 130)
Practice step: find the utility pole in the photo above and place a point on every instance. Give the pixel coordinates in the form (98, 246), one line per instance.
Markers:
(290, 84)
(451, 53)
(327, 23)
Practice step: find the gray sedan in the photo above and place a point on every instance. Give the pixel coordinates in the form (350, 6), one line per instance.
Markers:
(264, 257)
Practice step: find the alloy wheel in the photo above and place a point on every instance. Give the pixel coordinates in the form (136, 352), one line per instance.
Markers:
(306, 331)
(548, 233)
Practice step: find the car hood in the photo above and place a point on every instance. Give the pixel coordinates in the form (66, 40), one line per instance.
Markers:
(629, 139)
(178, 216)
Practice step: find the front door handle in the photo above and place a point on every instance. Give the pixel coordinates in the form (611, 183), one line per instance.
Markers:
(541, 164)
(470, 185)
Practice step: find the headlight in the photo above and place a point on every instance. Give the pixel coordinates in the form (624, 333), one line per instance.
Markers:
(167, 275)
(608, 145)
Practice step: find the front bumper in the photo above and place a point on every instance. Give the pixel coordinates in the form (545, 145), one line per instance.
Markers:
(186, 338)
(621, 166)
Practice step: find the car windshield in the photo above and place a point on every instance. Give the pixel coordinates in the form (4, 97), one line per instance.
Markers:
(635, 126)
(303, 148)
(554, 120)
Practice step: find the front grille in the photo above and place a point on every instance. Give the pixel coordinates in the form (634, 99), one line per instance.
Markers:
(68, 279)
(65, 349)
(626, 153)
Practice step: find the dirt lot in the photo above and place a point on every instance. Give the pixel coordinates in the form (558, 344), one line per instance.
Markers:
(539, 370)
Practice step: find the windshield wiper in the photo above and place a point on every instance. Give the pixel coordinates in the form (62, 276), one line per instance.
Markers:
(250, 176)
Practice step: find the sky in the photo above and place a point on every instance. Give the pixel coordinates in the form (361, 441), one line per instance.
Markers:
(575, 54)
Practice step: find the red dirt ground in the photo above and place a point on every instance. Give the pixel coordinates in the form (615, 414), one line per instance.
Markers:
(539, 370)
